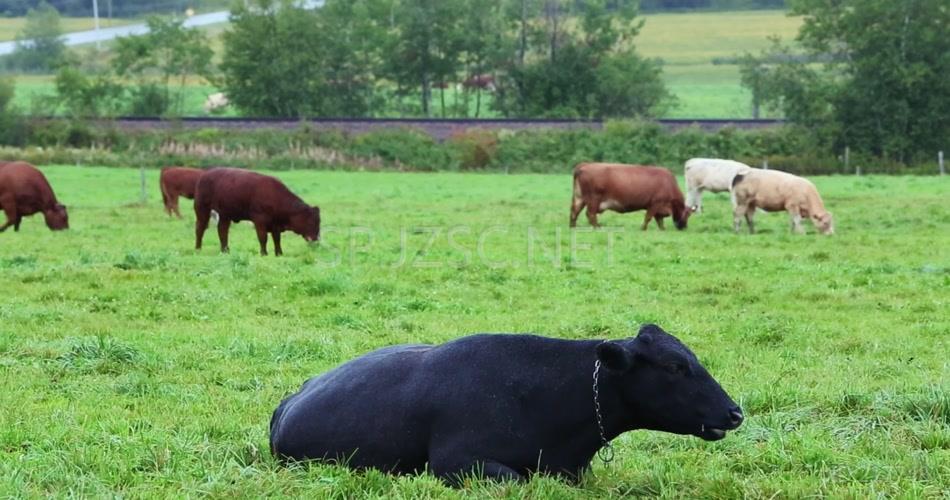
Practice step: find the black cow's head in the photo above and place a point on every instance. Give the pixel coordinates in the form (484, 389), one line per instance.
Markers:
(663, 386)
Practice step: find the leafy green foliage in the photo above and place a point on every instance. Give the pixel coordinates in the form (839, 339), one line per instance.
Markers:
(881, 86)
(12, 127)
(168, 49)
(84, 96)
(282, 60)
(39, 47)
(588, 72)
(549, 151)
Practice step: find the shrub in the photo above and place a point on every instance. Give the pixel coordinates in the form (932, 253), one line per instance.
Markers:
(474, 149)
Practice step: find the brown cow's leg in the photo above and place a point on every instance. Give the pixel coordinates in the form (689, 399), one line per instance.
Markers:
(646, 219)
(277, 250)
(12, 216)
(261, 236)
(659, 222)
(202, 224)
(577, 204)
(165, 201)
(224, 225)
(174, 203)
(593, 208)
(16, 223)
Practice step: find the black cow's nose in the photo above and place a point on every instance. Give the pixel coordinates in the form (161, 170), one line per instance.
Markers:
(735, 415)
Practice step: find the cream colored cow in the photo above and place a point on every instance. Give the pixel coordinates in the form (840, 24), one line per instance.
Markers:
(774, 190)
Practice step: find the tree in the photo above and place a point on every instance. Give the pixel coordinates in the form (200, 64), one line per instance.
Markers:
(426, 47)
(354, 34)
(872, 75)
(169, 51)
(12, 126)
(483, 43)
(83, 96)
(39, 46)
(282, 60)
(591, 71)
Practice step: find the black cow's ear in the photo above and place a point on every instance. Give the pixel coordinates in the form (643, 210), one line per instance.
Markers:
(648, 331)
(614, 356)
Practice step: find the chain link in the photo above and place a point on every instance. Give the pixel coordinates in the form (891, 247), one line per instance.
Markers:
(606, 452)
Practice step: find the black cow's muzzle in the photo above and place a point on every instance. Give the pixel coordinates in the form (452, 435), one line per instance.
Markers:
(716, 432)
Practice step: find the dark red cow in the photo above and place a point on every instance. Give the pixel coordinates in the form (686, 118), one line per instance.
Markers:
(175, 182)
(238, 195)
(627, 188)
(486, 82)
(24, 190)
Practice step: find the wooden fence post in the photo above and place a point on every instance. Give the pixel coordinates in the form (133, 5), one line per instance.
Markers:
(142, 181)
(940, 162)
(765, 164)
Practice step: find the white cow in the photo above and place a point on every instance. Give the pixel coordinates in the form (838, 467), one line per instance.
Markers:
(773, 191)
(215, 102)
(710, 174)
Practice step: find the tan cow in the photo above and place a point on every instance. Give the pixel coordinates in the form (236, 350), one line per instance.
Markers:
(773, 191)
(627, 188)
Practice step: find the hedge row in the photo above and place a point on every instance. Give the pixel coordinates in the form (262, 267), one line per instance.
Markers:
(551, 151)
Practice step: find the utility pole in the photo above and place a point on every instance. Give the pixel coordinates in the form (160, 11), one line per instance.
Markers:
(95, 15)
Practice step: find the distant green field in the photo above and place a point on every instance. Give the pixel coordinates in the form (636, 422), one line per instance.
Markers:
(10, 26)
(686, 43)
(133, 366)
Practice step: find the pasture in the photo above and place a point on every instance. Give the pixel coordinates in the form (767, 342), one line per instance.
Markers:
(687, 43)
(131, 365)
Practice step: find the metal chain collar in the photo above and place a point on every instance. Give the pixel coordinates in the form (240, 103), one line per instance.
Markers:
(606, 451)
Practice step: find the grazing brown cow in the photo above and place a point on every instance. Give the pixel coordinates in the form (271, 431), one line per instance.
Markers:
(24, 190)
(238, 195)
(627, 188)
(175, 182)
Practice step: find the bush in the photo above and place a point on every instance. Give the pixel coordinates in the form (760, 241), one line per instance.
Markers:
(404, 148)
(148, 99)
(538, 150)
(474, 149)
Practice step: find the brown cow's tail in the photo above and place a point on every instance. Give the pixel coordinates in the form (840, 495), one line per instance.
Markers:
(577, 183)
(161, 185)
(577, 200)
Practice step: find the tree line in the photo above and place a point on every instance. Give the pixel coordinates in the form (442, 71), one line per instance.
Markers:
(539, 58)
(868, 75)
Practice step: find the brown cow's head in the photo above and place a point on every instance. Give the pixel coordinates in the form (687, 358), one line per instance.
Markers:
(824, 222)
(681, 215)
(56, 217)
(306, 223)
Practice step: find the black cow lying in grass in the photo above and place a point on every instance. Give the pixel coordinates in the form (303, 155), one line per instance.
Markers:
(504, 406)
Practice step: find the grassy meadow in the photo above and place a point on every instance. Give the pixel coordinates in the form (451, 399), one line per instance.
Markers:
(687, 43)
(132, 365)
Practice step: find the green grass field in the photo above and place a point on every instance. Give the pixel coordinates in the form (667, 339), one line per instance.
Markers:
(131, 365)
(687, 43)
